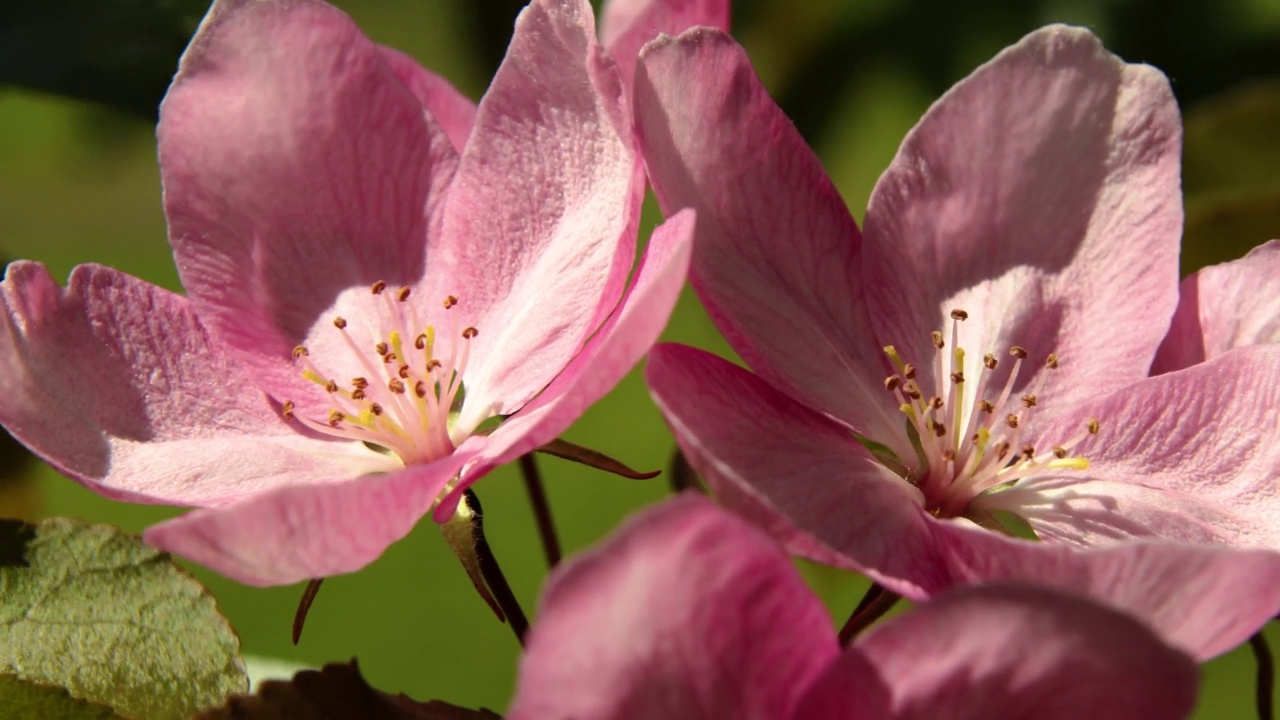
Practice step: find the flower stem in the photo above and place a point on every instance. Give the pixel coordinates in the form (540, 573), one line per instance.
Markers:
(682, 475)
(541, 509)
(304, 607)
(1266, 675)
(873, 605)
(492, 572)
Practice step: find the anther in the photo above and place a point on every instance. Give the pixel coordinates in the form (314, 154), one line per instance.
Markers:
(936, 336)
(1059, 451)
(986, 406)
(396, 385)
(1029, 400)
(378, 287)
(957, 378)
(893, 382)
(331, 387)
(403, 371)
(403, 294)
(935, 402)
(335, 418)
(990, 361)
(300, 351)
(1051, 362)
(939, 429)
(389, 358)
(382, 348)
(433, 364)
(357, 394)
(1028, 451)
(420, 389)
(948, 455)
(340, 322)
(450, 301)
(909, 371)
(420, 342)
(1018, 352)
(1093, 426)
(286, 410)
(959, 315)
(470, 332)
(1011, 420)
(375, 408)
(359, 383)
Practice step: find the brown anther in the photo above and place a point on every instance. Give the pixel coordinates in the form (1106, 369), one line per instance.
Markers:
(1029, 400)
(948, 455)
(335, 418)
(403, 294)
(286, 410)
(359, 383)
(396, 385)
(433, 364)
(1002, 450)
(936, 336)
(936, 402)
(990, 361)
(909, 371)
(959, 315)
(331, 387)
(420, 389)
(957, 378)
(470, 332)
(939, 429)
(1018, 352)
(986, 406)
(1093, 426)
(378, 287)
(375, 408)
(893, 382)
(381, 348)
(357, 394)
(1028, 451)
(912, 390)
(1051, 362)
(450, 301)
(340, 322)
(1059, 451)
(300, 351)
(403, 371)
(1011, 420)
(420, 342)
(388, 358)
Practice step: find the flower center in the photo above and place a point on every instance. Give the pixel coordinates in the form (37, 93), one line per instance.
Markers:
(409, 381)
(969, 450)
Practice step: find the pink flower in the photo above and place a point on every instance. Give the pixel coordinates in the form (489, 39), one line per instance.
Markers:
(377, 271)
(1223, 307)
(978, 358)
(688, 612)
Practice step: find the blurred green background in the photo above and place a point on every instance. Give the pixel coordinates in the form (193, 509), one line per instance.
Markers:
(79, 84)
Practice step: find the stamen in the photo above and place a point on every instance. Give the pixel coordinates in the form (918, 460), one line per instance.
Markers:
(378, 287)
(286, 410)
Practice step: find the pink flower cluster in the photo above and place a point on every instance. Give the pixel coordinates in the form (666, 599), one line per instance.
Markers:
(993, 399)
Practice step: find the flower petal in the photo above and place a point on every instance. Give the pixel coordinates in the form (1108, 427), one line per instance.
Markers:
(328, 527)
(790, 470)
(540, 226)
(610, 354)
(451, 110)
(115, 383)
(296, 165)
(685, 612)
(1205, 441)
(626, 25)
(777, 256)
(1015, 651)
(1042, 196)
(1223, 307)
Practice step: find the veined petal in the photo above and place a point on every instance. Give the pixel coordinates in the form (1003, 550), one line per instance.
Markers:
(791, 470)
(454, 112)
(1209, 433)
(328, 527)
(1223, 307)
(114, 382)
(777, 256)
(540, 226)
(1024, 652)
(610, 354)
(296, 165)
(626, 25)
(685, 612)
(1041, 195)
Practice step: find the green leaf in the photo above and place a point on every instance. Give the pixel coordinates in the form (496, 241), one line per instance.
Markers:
(20, 700)
(114, 622)
(335, 691)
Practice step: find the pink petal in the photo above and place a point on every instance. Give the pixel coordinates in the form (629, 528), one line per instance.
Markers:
(540, 226)
(115, 383)
(1201, 443)
(296, 165)
(610, 354)
(626, 25)
(789, 469)
(777, 259)
(451, 110)
(1014, 651)
(685, 612)
(1223, 307)
(1041, 195)
(329, 527)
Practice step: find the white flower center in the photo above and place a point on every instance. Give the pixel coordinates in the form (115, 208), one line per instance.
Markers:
(966, 451)
(404, 398)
